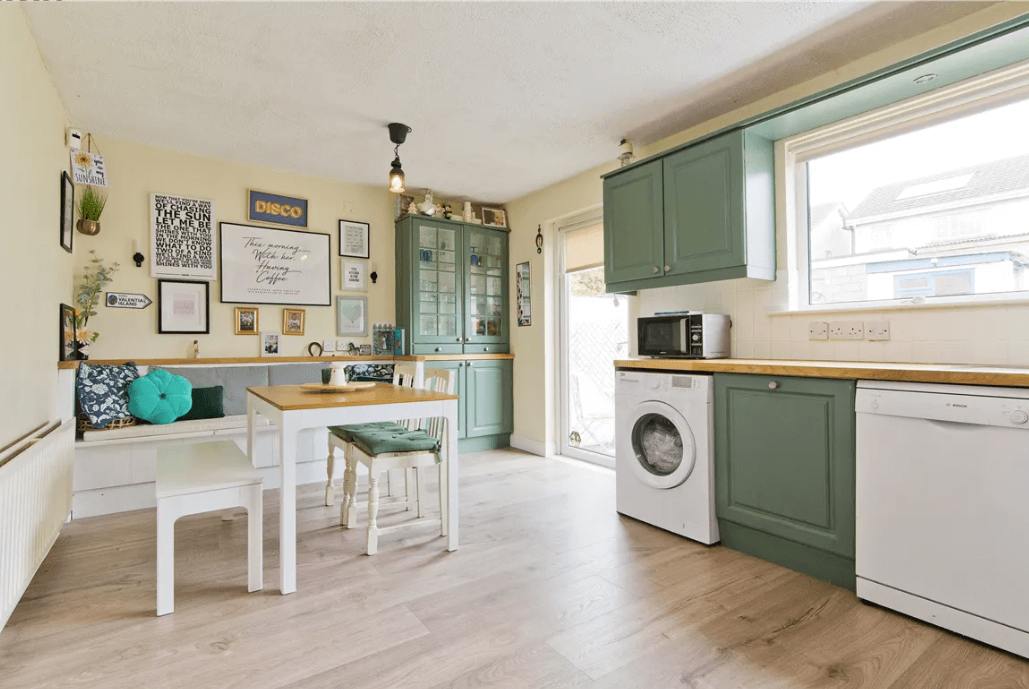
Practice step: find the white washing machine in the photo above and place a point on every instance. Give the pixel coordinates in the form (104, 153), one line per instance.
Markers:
(664, 459)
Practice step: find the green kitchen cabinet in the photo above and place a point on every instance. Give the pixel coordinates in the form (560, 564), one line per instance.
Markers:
(784, 471)
(451, 286)
(489, 395)
(633, 225)
(459, 389)
(710, 216)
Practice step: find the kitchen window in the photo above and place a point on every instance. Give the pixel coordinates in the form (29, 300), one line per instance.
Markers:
(923, 201)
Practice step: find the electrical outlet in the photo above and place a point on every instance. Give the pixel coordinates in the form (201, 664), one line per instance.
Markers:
(847, 330)
(818, 330)
(878, 330)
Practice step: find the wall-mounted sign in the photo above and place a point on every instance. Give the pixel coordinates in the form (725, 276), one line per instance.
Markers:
(275, 208)
(264, 265)
(88, 168)
(120, 300)
(182, 238)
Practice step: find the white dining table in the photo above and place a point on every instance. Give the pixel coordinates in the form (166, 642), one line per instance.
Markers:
(292, 410)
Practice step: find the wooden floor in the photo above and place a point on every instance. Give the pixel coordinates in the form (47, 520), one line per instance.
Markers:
(551, 588)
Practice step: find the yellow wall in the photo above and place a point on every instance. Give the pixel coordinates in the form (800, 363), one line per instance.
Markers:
(135, 171)
(35, 270)
(534, 347)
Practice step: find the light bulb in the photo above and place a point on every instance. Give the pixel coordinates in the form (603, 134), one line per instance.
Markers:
(396, 177)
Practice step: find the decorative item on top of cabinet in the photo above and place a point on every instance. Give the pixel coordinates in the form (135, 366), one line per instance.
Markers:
(496, 217)
(467, 214)
(427, 206)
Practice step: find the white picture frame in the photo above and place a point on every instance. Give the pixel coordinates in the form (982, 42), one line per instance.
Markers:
(353, 274)
(354, 239)
(351, 316)
(271, 343)
(268, 265)
(182, 242)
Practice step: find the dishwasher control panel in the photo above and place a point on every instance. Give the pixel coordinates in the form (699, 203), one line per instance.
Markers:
(976, 410)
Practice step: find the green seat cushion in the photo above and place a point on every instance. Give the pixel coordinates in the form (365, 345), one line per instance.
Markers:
(346, 433)
(379, 441)
(160, 397)
(208, 403)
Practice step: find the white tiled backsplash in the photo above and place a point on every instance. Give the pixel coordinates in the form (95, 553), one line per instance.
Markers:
(984, 334)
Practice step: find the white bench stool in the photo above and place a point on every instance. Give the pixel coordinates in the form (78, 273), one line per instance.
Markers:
(203, 477)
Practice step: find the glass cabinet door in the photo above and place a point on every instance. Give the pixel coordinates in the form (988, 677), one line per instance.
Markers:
(486, 275)
(437, 308)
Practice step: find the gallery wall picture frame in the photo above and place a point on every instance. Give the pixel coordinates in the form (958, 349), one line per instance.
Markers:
(496, 217)
(183, 307)
(182, 243)
(354, 239)
(67, 212)
(276, 208)
(523, 282)
(271, 344)
(354, 274)
(68, 348)
(247, 320)
(293, 321)
(351, 316)
(269, 265)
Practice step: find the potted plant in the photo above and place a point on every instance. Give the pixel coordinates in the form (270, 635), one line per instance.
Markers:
(91, 205)
(94, 279)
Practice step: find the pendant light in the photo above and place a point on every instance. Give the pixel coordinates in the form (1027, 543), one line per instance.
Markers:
(397, 134)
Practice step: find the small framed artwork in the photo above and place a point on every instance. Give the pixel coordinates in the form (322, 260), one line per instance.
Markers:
(246, 320)
(524, 298)
(354, 272)
(67, 212)
(494, 216)
(183, 306)
(365, 350)
(354, 239)
(292, 321)
(68, 350)
(352, 316)
(270, 344)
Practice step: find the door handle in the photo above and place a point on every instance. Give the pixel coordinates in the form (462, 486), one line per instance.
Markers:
(773, 385)
(667, 268)
(439, 349)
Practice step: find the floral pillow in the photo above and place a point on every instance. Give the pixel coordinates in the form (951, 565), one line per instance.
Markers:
(103, 392)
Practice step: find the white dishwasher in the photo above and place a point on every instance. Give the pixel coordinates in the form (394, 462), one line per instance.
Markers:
(943, 506)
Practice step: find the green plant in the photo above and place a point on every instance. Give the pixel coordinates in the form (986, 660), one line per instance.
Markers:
(91, 203)
(94, 279)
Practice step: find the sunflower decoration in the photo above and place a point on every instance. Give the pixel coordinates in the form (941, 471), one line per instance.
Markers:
(84, 159)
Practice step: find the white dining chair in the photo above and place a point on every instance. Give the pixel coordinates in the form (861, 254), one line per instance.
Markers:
(339, 437)
(381, 450)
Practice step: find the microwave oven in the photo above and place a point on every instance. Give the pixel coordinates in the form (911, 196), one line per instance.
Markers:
(685, 335)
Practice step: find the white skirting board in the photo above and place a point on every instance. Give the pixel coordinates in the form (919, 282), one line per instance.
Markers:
(535, 447)
(975, 627)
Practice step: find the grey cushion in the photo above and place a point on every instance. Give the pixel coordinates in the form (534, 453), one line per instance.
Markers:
(294, 374)
(234, 380)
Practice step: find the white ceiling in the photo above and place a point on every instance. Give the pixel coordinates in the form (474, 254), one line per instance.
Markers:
(504, 98)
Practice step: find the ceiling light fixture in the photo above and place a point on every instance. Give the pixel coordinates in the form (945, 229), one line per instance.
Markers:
(397, 134)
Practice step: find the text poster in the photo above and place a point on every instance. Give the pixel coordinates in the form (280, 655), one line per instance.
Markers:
(182, 238)
(261, 265)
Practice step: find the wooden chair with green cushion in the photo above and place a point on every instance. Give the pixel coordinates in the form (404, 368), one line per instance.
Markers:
(382, 449)
(340, 436)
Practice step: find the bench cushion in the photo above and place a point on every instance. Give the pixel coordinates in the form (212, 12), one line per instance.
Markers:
(160, 397)
(379, 441)
(142, 431)
(207, 404)
(234, 380)
(346, 433)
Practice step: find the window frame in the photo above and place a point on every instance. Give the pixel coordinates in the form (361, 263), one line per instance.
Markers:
(984, 92)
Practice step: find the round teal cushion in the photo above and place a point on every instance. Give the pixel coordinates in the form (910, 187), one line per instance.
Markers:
(160, 397)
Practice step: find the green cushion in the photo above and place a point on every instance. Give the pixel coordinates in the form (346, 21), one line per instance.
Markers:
(346, 433)
(207, 404)
(160, 397)
(380, 441)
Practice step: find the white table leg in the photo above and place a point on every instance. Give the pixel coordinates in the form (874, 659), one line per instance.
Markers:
(165, 557)
(450, 457)
(255, 543)
(288, 504)
(251, 430)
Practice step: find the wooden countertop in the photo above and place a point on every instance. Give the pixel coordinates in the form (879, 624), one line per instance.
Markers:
(292, 397)
(271, 360)
(954, 374)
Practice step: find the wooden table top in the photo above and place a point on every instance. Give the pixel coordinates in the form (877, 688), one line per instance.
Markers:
(292, 397)
(954, 374)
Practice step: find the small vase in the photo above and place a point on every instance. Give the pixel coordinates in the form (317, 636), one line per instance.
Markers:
(81, 351)
(90, 227)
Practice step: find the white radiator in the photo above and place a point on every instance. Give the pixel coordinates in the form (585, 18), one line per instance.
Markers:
(35, 500)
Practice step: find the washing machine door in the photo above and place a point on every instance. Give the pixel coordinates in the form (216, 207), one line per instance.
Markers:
(664, 450)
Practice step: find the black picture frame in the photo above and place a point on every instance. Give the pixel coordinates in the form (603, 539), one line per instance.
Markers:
(161, 330)
(67, 347)
(367, 239)
(221, 265)
(67, 212)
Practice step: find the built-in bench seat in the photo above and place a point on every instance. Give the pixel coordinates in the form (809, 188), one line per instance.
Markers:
(145, 431)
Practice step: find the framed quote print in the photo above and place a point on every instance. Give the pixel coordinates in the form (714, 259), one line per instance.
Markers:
(182, 238)
(265, 265)
(355, 274)
(354, 239)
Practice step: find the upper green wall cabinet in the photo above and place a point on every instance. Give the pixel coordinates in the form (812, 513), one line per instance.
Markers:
(701, 214)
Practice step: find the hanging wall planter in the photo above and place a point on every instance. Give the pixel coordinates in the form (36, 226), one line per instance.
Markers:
(90, 204)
